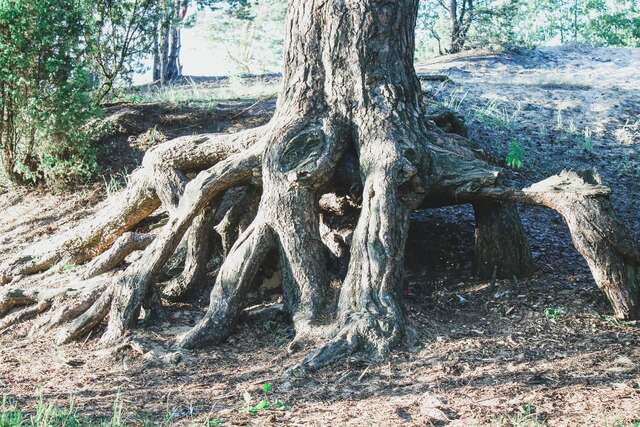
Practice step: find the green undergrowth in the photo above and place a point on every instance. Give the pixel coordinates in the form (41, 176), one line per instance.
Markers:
(203, 95)
(48, 414)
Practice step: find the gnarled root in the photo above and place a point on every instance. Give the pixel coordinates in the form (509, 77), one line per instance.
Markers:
(199, 250)
(298, 159)
(604, 242)
(81, 307)
(234, 280)
(234, 213)
(160, 179)
(369, 314)
(132, 286)
(116, 254)
(55, 306)
(238, 217)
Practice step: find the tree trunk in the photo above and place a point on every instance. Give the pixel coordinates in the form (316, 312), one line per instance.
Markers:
(349, 84)
(455, 27)
(173, 70)
(168, 43)
(350, 118)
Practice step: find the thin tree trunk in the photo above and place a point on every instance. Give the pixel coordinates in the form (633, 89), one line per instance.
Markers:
(455, 26)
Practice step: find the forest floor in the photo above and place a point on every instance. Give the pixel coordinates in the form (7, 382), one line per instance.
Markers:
(538, 351)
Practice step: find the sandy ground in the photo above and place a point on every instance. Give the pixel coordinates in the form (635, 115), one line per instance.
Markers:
(540, 351)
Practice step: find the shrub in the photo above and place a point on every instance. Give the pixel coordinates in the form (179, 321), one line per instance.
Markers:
(45, 92)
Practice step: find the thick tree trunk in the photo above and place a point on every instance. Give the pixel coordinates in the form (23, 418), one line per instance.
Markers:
(349, 118)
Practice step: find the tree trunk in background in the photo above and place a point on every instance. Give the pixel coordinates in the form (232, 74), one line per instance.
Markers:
(157, 66)
(166, 59)
(455, 27)
(461, 21)
(173, 69)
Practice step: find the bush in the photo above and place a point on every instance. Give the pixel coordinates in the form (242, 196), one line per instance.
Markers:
(45, 92)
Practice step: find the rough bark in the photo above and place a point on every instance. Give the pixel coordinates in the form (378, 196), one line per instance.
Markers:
(501, 247)
(598, 235)
(158, 182)
(350, 118)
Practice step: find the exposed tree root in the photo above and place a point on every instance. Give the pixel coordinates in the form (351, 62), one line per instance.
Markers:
(148, 186)
(238, 217)
(501, 247)
(132, 286)
(56, 305)
(200, 239)
(344, 124)
(234, 280)
(604, 241)
(116, 254)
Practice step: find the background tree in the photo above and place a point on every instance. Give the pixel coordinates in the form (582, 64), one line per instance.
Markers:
(120, 37)
(252, 35)
(44, 91)
(173, 15)
(461, 14)
(514, 23)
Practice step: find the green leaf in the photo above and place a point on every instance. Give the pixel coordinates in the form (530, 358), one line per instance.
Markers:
(267, 387)
(515, 157)
(263, 405)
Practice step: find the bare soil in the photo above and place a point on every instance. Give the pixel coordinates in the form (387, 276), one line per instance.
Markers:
(538, 351)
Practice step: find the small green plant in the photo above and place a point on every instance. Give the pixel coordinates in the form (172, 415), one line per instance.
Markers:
(587, 140)
(620, 422)
(527, 410)
(115, 182)
(553, 313)
(9, 415)
(629, 168)
(454, 100)
(46, 414)
(134, 99)
(497, 114)
(214, 422)
(68, 267)
(262, 406)
(116, 418)
(524, 416)
(265, 404)
(515, 156)
(559, 120)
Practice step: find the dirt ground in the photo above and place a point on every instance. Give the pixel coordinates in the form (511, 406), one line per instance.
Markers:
(537, 351)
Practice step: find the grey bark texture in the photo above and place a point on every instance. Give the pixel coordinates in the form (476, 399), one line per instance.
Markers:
(501, 247)
(350, 118)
